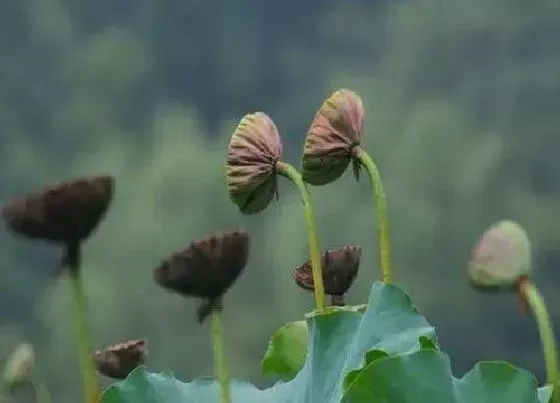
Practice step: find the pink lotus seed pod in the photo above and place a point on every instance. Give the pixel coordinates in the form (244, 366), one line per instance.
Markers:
(336, 129)
(501, 258)
(253, 151)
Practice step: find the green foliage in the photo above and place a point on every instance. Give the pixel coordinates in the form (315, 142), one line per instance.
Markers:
(386, 354)
(426, 376)
(286, 350)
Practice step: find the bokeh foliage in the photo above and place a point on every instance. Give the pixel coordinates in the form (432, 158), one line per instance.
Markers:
(461, 100)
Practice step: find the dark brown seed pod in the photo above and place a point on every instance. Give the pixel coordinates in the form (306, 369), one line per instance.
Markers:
(118, 360)
(66, 213)
(336, 129)
(340, 268)
(206, 269)
(254, 149)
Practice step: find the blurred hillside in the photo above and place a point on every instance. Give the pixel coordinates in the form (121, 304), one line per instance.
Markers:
(462, 115)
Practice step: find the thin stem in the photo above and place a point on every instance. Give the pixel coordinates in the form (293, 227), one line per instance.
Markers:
(294, 176)
(87, 368)
(219, 357)
(42, 394)
(381, 211)
(546, 332)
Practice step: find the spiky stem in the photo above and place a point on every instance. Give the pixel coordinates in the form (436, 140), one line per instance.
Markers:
(87, 368)
(219, 357)
(294, 176)
(381, 211)
(546, 332)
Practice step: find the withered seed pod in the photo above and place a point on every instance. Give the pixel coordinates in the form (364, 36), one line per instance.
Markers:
(65, 213)
(335, 130)
(206, 269)
(118, 360)
(254, 149)
(340, 268)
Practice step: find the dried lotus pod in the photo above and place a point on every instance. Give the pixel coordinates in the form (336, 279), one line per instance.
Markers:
(254, 149)
(118, 360)
(501, 258)
(335, 131)
(206, 269)
(339, 268)
(65, 213)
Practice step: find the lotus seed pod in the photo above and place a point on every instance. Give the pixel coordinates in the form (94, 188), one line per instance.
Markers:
(339, 267)
(118, 360)
(335, 130)
(501, 258)
(19, 366)
(206, 269)
(254, 149)
(67, 212)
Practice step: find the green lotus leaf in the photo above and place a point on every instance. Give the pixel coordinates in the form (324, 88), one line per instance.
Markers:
(426, 377)
(339, 338)
(287, 348)
(286, 351)
(386, 354)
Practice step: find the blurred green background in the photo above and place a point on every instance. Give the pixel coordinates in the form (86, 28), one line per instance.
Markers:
(462, 115)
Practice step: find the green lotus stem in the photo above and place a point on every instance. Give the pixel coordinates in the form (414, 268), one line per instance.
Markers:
(220, 357)
(87, 367)
(42, 394)
(546, 332)
(294, 176)
(381, 211)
